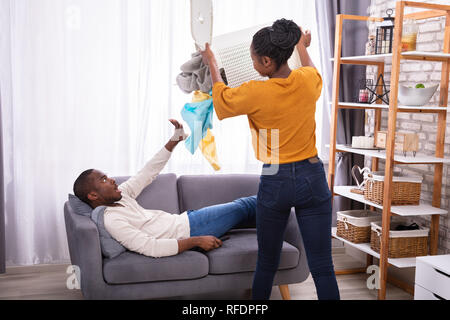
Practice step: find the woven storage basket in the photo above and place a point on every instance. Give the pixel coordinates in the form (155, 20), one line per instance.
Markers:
(402, 244)
(354, 225)
(405, 189)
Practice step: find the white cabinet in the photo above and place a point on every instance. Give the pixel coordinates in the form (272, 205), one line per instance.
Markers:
(432, 278)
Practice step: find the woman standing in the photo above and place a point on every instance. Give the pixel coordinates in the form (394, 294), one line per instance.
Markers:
(282, 110)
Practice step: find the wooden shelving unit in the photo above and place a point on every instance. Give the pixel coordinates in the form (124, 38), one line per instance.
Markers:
(433, 210)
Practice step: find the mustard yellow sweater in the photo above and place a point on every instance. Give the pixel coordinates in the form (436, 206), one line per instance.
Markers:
(281, 114)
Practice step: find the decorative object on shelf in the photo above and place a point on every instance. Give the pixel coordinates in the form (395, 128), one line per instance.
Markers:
(370, 46)
(363, 142)
(418, 96)
(385, 34)
(405, 189)
(364, 95)
(409, 37)
(402, 244)
(404, 142)
(354, 225)
(384, 96)
(360, 185)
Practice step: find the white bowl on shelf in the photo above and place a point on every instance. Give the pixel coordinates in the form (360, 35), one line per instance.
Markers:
(415, 96)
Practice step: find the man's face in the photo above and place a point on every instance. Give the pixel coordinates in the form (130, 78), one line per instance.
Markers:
(105, 190)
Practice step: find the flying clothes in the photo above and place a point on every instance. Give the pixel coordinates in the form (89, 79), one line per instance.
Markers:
(195, 75)
(199, 116)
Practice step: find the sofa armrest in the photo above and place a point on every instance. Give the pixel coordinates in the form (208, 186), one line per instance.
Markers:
(85, 252)
(292, 233)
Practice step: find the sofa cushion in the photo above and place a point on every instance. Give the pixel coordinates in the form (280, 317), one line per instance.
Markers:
(161, 194)
(110, 247)
(131, 267)
(240, 252)
(79, 207)
(199, 191)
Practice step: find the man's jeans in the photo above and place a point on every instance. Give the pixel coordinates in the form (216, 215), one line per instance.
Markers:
(302, 185)
(217, 220)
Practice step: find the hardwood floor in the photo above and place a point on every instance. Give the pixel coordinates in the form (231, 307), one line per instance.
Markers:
(49, 282)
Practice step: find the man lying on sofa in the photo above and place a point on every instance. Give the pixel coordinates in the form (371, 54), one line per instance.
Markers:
(156, 233)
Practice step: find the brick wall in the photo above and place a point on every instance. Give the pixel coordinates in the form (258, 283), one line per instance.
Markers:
(430, 38)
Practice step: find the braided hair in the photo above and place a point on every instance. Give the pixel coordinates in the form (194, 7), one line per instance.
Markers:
(278, 41)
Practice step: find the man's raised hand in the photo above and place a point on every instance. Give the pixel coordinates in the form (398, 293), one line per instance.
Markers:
(179, 134)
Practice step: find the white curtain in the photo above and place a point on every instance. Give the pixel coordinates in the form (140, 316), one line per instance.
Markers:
(91, 84)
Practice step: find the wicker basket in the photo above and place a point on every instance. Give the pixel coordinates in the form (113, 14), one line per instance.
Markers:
(354, 225)
(405, 189)
(402, 244)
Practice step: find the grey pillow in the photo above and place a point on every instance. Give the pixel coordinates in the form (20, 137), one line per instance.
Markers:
(79, 207)
(110, 247)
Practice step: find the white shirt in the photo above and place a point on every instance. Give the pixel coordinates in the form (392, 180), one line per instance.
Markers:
(149, 232)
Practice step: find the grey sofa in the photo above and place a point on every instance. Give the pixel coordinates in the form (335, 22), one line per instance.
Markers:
(230, 267)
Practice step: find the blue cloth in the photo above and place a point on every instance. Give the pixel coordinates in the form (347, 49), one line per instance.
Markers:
(219, 219)
(199, 117)
(302, 185)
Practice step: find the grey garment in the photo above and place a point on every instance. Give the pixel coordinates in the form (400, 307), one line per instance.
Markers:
(110, 247)
(146, 281)
(350, 122)
(195, 75)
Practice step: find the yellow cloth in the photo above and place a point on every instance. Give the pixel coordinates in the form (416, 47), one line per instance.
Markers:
(208, 144)
(200, 96)
(287, 105)
(208, 147)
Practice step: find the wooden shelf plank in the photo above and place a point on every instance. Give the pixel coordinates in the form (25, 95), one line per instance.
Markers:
(369, 58)
(387, 58)
(381, 154)
(405, 211)
(365, 247)
(412, 109)
(429, 56)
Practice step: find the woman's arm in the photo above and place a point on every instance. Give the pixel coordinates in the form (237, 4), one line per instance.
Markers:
(210, 59)
(302, 46)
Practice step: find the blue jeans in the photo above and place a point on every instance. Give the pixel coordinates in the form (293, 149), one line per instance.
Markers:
(302, 185)
(217, 220)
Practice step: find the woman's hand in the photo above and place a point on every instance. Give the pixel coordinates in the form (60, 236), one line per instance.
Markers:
(208, 55)
(306, 38)
(210, 60)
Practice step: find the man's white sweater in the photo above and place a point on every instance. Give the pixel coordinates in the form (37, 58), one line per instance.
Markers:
(149, 232)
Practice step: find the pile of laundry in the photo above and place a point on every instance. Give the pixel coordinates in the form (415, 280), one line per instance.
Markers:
(198, 114)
